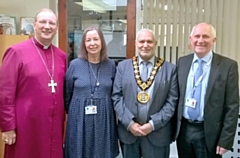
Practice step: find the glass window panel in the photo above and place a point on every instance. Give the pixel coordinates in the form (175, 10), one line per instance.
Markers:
(109, 15)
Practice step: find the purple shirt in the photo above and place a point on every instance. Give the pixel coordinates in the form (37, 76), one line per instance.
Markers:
(27, 103)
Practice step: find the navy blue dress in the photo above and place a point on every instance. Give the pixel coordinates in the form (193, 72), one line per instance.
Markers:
(93, 135)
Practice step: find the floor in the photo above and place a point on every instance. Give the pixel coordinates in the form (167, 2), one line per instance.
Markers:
(173, 151)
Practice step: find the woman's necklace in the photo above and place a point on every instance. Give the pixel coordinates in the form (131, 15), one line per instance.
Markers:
(52, 84)
(95, 76)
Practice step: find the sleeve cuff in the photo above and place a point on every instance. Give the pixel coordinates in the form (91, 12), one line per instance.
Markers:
(151, 122)
(130, 125)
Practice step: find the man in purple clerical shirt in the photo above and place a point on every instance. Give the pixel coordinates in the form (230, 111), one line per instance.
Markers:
(31, 97)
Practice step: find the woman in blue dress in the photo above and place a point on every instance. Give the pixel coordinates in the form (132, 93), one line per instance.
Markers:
(91, 124)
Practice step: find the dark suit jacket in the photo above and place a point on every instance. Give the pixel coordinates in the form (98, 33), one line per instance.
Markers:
(162, 103)
(221, 100)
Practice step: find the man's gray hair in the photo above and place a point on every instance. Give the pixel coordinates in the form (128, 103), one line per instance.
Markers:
(212, 28)
(145, 29)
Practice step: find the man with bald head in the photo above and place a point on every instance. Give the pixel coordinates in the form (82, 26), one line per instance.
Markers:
(208, 102)
(145, 94)
(31, 96)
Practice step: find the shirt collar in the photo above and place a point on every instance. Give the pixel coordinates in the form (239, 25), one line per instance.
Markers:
(39, 44)
(206, 58)
(151, 60)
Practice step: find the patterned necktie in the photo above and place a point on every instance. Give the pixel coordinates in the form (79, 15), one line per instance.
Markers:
(195, 112)
(144, 72)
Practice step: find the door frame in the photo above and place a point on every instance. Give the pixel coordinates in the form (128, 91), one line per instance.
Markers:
(131, 26)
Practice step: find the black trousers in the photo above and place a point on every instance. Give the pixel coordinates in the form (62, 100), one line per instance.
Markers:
(191, 141)
(143, 148)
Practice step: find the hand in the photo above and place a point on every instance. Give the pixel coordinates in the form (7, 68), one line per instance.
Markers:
(146, 128)
(220, 150)
(135, 130)
(9, 137)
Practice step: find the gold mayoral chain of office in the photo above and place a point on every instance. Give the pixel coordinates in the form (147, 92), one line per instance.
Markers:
(143, 96)
(52, 84)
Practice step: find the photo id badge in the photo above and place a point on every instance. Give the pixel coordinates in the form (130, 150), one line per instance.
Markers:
(190, 102)
(91, 109)
(91, 106)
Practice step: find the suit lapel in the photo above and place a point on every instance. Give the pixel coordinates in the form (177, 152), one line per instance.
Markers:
(132, 75)
(157, 82)
(212, 76)
(183, 74)
(157, 79)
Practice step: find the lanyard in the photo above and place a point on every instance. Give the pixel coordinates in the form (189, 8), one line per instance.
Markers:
(200, 78)
(95, 84)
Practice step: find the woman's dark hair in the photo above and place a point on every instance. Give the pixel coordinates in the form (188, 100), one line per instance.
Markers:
(83, 51)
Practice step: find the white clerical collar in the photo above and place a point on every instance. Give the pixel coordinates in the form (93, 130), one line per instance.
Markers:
(44, 46)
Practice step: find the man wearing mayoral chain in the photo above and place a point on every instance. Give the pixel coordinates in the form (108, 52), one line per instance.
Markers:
(31, 96)
(145, 95)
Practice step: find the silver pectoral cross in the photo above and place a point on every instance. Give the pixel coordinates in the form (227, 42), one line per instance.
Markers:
(52, 85)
